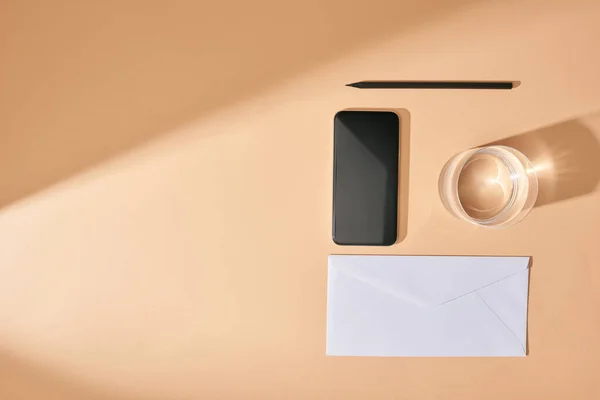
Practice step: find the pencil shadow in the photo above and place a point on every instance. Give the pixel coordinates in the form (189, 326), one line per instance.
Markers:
(566, 157)
(82, 86)
(21, 380)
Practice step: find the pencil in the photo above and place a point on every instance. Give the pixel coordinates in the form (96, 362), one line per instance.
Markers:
(506, 85)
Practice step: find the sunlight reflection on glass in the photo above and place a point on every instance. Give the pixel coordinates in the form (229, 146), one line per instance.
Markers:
(489, 186)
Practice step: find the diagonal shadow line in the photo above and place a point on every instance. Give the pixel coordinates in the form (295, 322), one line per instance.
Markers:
(127, 82)
(25, 379)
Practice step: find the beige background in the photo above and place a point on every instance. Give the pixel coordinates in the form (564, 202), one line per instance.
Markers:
(165, 191)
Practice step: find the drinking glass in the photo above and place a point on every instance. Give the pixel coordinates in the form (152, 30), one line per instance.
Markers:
(492, 186)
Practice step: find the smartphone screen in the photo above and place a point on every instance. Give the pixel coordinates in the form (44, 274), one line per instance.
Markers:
(365, 178)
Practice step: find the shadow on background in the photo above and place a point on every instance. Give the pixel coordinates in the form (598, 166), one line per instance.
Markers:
(566, 157)
(83, 81)
(528, 297)
(19, 380)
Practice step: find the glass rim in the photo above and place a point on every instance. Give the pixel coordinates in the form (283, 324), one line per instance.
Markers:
(489, 222)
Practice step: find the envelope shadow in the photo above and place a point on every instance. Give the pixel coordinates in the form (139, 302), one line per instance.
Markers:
(528, 297)
(566, 157)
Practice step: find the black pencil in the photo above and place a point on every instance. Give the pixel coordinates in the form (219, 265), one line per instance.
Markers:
(506, 85)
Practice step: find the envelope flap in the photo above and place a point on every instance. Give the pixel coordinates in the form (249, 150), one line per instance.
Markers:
(428, 280)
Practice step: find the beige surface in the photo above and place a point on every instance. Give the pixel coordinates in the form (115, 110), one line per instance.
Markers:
(193, 265)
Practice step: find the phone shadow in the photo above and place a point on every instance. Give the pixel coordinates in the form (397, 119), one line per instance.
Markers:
(404, 176)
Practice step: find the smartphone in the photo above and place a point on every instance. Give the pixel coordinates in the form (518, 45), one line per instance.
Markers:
(365, 178)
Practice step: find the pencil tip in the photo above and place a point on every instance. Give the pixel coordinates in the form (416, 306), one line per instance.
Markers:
(355, 84)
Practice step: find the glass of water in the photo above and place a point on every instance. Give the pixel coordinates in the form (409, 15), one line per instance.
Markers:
(493, 186)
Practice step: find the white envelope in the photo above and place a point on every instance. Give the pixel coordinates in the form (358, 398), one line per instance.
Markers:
(392, 306)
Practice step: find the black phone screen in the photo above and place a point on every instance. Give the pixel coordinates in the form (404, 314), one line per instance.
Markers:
(365, 178)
